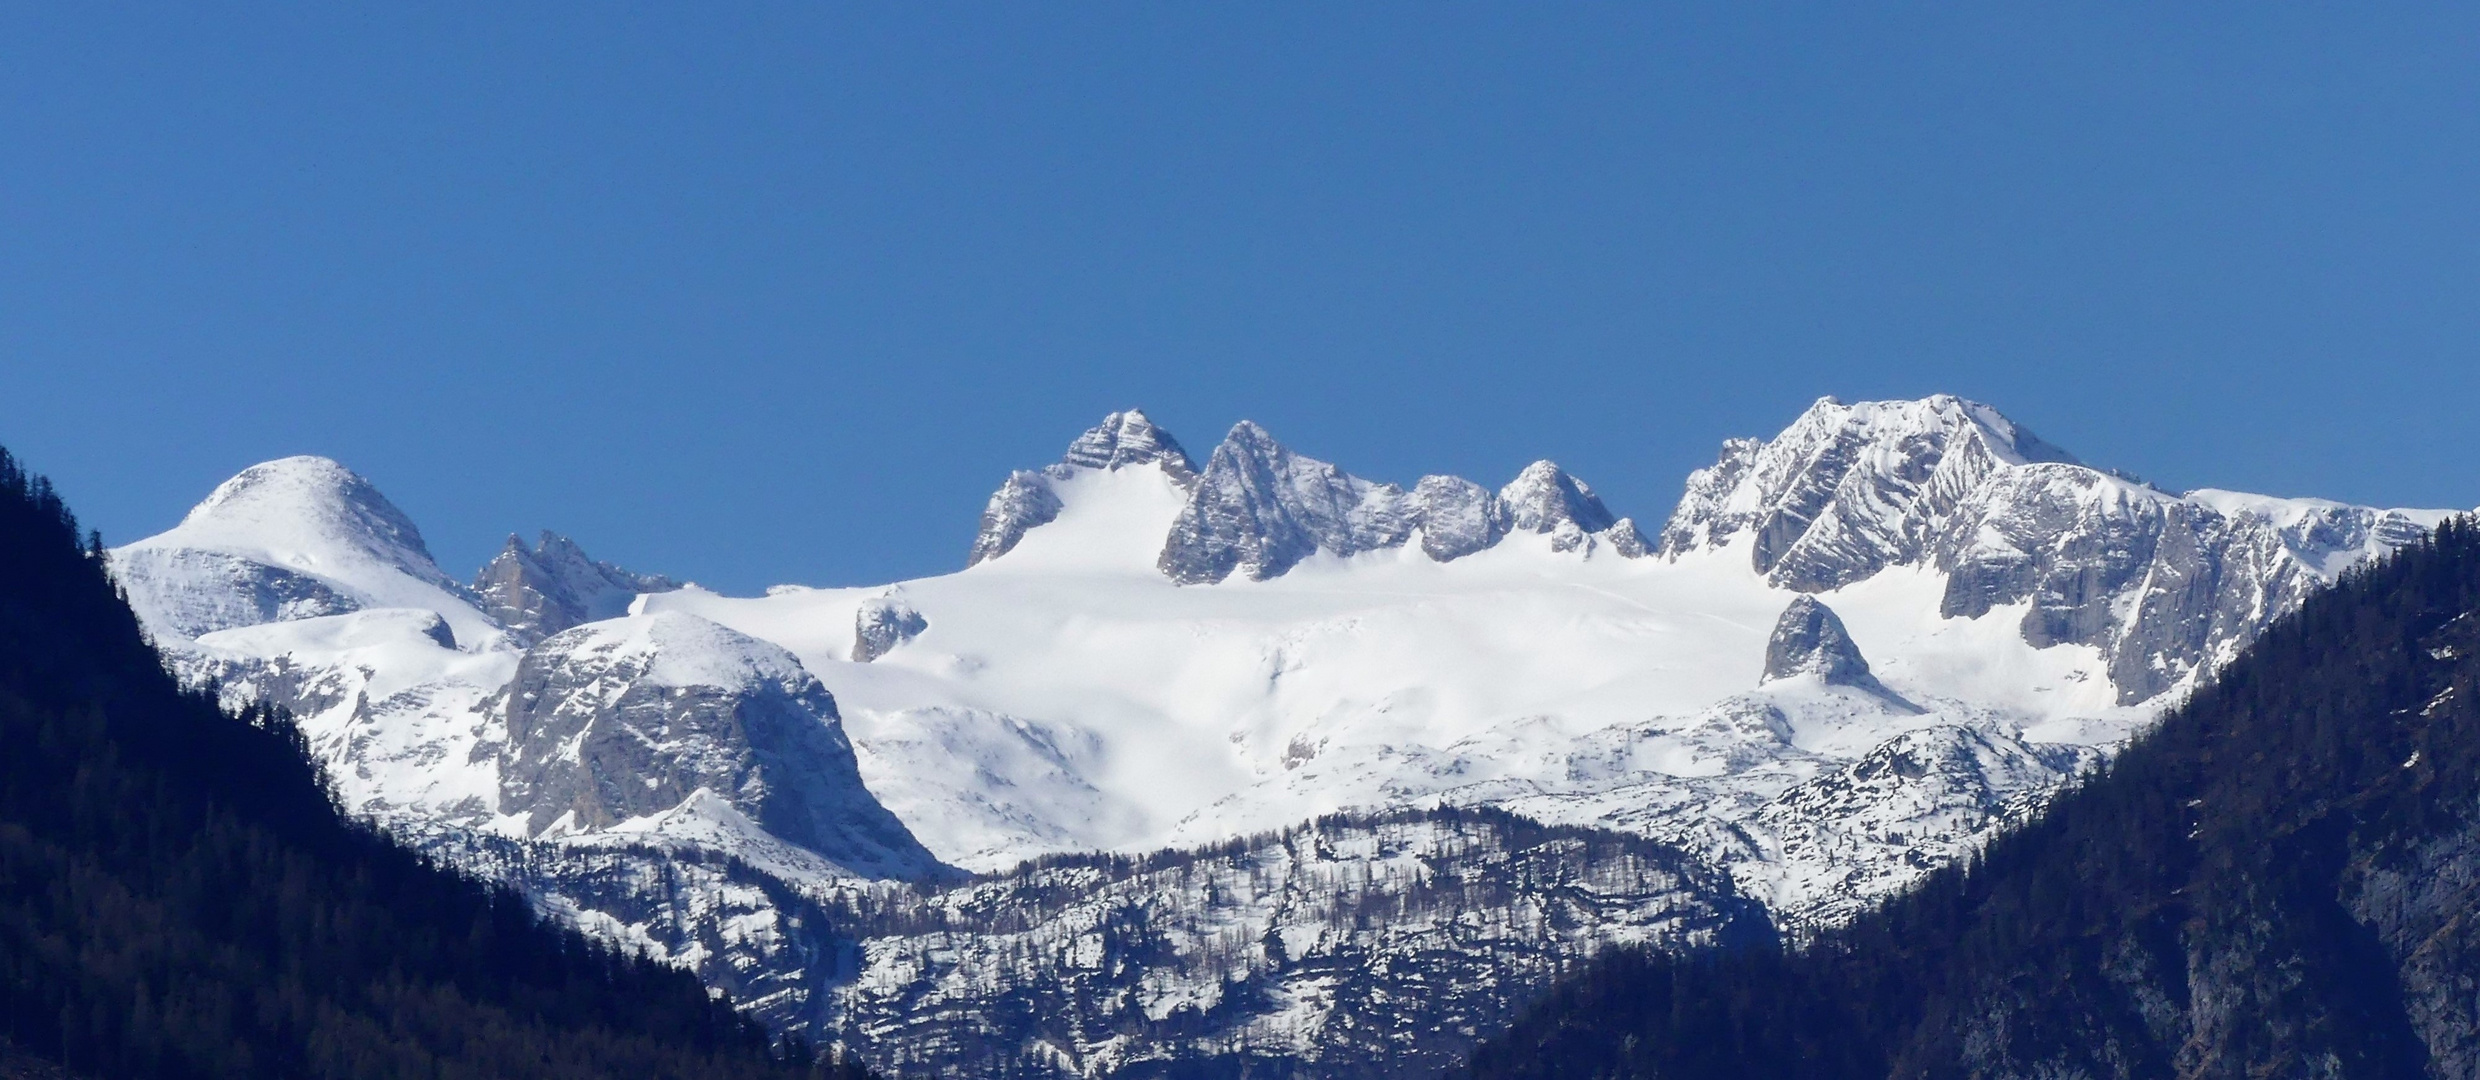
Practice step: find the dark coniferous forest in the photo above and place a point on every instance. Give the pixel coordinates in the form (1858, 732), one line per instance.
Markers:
(2279, 881)
(178, 898)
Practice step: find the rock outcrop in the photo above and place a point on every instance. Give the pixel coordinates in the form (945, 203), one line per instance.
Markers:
(614, 721)
(881, 624)
(1810, 640)
(1259, 509)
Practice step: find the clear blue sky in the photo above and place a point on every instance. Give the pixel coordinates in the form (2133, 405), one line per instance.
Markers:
(779, 293)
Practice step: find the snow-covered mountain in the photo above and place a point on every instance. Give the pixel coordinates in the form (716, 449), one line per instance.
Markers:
(1852, 651)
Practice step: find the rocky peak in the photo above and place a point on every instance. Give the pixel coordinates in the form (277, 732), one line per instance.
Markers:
(1809, 639)
(555, 585)
(2163, 585)
(1028, 500)
(635, 717)
(1458, 517)
(1544, 497)
(1848, 490)
(1260, 509)
(1128, 438)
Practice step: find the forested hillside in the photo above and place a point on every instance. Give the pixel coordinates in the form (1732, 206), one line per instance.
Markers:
(178, 898)
(2277, 882)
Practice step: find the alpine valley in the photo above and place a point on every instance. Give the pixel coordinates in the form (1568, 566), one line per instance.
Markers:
(1253, 766)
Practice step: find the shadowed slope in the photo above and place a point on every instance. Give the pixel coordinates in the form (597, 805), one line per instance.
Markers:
(2276, 882)
(178, 897)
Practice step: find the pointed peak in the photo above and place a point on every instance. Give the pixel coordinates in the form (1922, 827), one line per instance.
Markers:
(555, 585)
(1545, 496)
(1946, 414)
(1127, 438)
(1250, 433)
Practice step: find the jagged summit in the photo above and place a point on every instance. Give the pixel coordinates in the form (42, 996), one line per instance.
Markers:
(1544, 497)
(1259, 509)
(1848, 490)
(1029, 499)
(1128, 438)
(537, 592)
(2162, 584)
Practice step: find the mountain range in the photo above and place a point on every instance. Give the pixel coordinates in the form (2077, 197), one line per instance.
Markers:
(1190, 767)
(2276, 881)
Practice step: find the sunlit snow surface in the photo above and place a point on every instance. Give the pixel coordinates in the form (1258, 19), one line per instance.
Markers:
(1067, 696)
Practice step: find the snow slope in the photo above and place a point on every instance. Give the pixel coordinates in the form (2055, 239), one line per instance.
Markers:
(1141, 654)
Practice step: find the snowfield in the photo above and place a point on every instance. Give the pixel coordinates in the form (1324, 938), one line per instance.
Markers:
(1849, 654)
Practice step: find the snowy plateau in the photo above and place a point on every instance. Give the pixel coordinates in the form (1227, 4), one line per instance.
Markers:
(1255, 764)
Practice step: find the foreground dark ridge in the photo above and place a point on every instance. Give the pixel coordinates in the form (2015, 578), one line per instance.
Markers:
(2277, 882)
(178, 897)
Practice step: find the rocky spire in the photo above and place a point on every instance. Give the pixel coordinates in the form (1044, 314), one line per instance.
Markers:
(1544, 497)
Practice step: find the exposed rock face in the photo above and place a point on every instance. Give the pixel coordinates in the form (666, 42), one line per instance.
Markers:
(217, 591)
(2163, 584)
(1624, 539)
(1458, 517)
(882, 624)
(1545, 499)
(1027, 500)
(1024, 502)
(1260, 509)
(1345, 948)
(1128, 438)
(614, 721)
(553, 586)
(1809, 639)
(1849, 490)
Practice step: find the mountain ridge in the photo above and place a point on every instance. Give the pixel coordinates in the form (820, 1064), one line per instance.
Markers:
(1141, 654)
(2274, 881)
